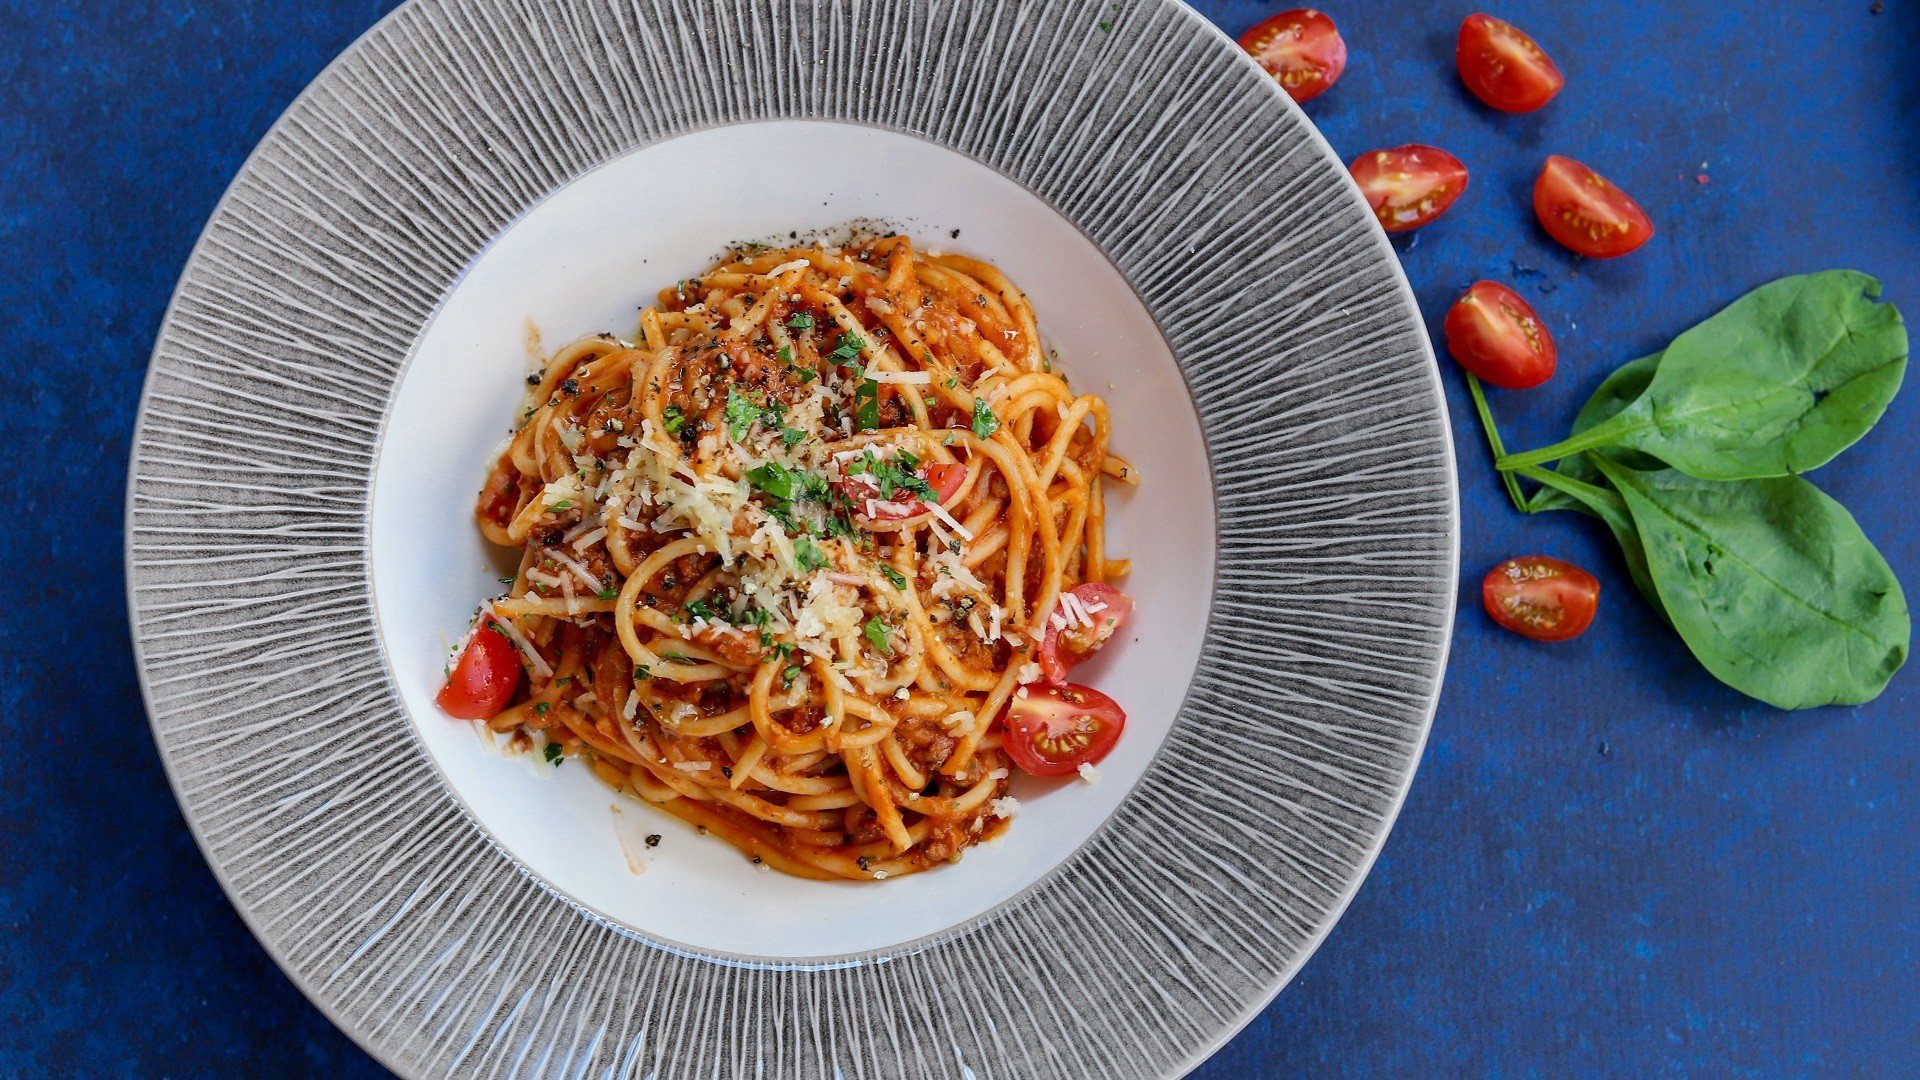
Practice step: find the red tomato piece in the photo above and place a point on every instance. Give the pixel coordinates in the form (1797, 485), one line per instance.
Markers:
(1409, 186)
(1541, 597)
(1495, 334)
(863, 491)
(1302, 48)
(1070, 638)
(483, 679)
(1053, 730)
(1504, 67)
(1579, 208)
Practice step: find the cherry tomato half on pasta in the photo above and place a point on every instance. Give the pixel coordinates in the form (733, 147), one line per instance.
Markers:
(1582, 210)
(1084, 620)
(1541, 597)
(1504, 67)
(1301, 48)
(864, 491)
(483, 679)
(1495, 334)
(1053, 730)
(1409, 186)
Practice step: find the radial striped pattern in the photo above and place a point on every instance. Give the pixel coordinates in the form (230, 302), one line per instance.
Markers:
(248, 565)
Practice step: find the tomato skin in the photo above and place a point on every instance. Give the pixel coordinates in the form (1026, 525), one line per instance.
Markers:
(1053, 730)
(1586, 213)
(1408, 186)
(1062, 648)
(483, 679)
(945, 479)
(1495, 334)
(1504, 67)
(1541, 597)
(1301, 48)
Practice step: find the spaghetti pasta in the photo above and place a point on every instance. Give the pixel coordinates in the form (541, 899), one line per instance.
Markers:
(786, 556)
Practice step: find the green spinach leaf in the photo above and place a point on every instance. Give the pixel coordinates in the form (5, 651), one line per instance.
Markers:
(1777, 384)
(1771, 584)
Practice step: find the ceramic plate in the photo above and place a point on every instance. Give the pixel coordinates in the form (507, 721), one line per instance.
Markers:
(345, 348)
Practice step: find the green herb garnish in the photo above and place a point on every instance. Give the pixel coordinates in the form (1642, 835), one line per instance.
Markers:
(984, 422)
(808, 554)
(674, 419)
(847, 349)
(866, 405)
(876, 632)
(552, 753)
(800, 320)
(777, 481)
(898, 579)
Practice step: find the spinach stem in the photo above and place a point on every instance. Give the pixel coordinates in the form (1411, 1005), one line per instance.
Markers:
(1591, 439)
(1579, 489)
(1494, 442)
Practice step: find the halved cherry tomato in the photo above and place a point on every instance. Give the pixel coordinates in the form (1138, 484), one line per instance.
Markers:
(1504, 67)
(1495, 334)
(483, 679)
(1541, 597)
(1069, 639)
(1302, 48)
(1409, 186)
(864, 492)
(1579, 208)
(1053, 730)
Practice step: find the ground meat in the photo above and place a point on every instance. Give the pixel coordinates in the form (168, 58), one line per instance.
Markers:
(926, 741)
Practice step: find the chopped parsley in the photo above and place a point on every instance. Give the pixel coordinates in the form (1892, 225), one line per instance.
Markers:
(741, 414)
(786, 354)
(777, 481)
(800, 320)
(791, 437)
(609, 594)
(876, 631)
(847, 349)
(541, 707)
(809, 554)
(552, 753)
(866, 406)
(563, 504)
(984, 422)
(675, 419)
(898, 579)
(900, 474)
(697, 609)
(791, 673)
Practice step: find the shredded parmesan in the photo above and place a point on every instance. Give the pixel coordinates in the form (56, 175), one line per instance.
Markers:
(948, 519)
(579, 569)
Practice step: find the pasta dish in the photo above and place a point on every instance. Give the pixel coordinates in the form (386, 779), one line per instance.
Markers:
(806, 562)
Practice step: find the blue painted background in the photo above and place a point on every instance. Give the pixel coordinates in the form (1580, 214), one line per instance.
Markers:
(1608, 865)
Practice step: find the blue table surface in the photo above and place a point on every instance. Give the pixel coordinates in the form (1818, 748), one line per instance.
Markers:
(1609, 863)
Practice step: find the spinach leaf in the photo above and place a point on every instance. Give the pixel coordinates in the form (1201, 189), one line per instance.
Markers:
(1777, 384)
(1771, 584)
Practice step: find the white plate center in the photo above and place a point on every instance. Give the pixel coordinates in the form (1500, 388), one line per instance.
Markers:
(587, 259)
